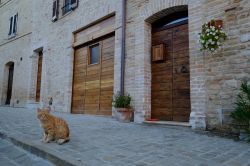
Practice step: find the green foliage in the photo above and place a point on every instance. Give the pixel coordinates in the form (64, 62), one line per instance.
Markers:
(211, 36)
(121, 101)
(241, 115)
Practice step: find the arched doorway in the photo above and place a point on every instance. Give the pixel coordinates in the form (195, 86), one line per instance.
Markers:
(10, 72)
(170, 86)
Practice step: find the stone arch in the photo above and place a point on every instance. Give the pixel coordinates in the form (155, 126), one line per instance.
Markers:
(6, 81)
(148, 14)
(166, 12)
(155, 10)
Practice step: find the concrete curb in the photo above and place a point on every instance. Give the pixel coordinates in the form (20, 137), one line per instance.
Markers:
(42, 152)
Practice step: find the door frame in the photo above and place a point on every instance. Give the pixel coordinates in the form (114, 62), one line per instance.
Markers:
(6, 92)
(162, 29)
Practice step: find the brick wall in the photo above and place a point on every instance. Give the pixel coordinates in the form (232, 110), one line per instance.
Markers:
(56, 39)
(226, 69)
(215, 79)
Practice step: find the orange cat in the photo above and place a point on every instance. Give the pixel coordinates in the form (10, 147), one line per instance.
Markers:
(54, 128)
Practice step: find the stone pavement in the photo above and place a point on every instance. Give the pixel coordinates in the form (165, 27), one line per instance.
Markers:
(10, 155)
(102, 141)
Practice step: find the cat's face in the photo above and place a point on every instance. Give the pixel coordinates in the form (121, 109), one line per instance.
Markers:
(42, 114)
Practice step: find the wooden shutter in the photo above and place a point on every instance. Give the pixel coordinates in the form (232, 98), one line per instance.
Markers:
(55, 10)
(15, 24)
(74, 4)
(10, 30)
(158, 52)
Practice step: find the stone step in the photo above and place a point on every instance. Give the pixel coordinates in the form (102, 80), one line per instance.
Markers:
(171, 123)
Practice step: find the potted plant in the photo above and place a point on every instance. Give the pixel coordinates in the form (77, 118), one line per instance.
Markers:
(241, 115)
(122, 107)
(212, 36)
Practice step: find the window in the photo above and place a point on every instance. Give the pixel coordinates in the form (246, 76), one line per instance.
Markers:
(69, 5)
(66, 8)
(13, 25)
(94, 54)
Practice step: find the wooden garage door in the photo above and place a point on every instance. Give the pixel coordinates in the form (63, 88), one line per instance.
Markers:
(171, 78)
(93, 83)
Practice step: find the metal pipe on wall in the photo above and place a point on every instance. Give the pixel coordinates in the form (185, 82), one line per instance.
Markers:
(123, 46)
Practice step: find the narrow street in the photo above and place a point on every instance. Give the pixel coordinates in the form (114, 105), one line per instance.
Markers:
(103, 141)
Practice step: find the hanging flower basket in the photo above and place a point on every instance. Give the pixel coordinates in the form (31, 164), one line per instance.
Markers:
(212, 36)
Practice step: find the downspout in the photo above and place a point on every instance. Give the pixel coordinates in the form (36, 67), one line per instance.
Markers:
(123, 46)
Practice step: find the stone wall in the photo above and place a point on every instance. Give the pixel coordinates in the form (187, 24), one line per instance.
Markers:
(56, 39)
(215, 79)
(226, 69)
(17, 50)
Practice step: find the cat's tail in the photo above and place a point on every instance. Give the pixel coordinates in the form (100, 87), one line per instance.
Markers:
(62, 141)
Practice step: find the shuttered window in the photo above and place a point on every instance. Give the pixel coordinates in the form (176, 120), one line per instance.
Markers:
(55, 10)
(13, 25)
(10, 29)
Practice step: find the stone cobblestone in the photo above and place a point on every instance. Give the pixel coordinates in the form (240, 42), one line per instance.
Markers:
(10, 155)
(104, 141)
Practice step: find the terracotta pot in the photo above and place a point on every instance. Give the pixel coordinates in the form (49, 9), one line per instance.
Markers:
(123, 114)
(216, 23)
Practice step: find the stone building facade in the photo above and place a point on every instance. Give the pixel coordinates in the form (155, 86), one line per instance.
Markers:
(214, 79)
(15, 48)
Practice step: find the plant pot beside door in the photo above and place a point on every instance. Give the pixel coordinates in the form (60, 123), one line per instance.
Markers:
(123, 111)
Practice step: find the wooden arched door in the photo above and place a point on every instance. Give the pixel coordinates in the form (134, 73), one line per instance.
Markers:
(171, 77)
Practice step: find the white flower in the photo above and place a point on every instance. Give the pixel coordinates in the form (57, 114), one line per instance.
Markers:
(216, 37)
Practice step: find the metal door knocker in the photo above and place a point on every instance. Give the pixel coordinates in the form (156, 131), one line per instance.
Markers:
(184, 69)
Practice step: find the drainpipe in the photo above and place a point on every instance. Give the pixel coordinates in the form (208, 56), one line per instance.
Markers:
(123, 46)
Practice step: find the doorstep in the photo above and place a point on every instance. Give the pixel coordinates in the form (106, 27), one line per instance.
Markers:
(171, 123)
